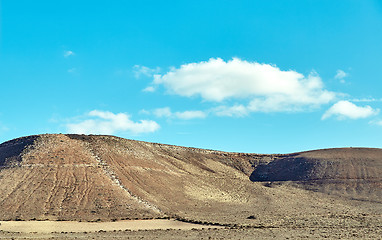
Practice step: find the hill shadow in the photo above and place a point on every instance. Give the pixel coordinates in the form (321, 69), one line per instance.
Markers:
(11, 151)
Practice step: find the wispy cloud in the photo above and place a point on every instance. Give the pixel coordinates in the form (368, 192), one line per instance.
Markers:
(72, 70)
(264, 86)
(341, 75)
(185, 115)
(190, 115)
(149, 89)
(376, 122)
(104, 122)
(3, 128)
(163, 112)
(68, 53)
(348, 110)
(145, 71)
(233, 111)
(367, 100)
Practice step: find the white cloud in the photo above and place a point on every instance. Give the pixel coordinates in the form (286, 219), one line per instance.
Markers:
(345, 109)
(186, 115)
(68, 53)
(144, 71)
(149, 89)
(101, 122)
(268, 88)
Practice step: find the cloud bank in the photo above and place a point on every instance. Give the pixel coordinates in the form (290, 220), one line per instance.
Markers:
(103, 122)
(348, 110)
(264, 86)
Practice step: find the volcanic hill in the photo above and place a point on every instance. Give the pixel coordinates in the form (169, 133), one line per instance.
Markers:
(90, 178)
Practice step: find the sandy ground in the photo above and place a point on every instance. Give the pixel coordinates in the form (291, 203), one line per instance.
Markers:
(72, 226)
(222, 233)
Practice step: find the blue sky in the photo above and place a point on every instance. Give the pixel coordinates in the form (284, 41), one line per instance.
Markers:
(246, 76)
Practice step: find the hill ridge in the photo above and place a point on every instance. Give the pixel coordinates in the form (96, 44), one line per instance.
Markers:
(90, 177)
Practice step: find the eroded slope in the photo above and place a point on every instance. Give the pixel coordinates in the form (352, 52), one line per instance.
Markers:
(55, 177)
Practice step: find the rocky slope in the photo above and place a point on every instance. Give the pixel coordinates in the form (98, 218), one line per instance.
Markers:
(80, 177)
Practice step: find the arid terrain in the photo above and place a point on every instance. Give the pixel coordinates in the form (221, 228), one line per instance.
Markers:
(330, 193)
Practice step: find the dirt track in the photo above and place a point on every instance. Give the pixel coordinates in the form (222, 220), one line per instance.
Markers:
(75, 227)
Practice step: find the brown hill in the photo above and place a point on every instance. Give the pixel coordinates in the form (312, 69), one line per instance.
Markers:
(348, 172)
(79, 177)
